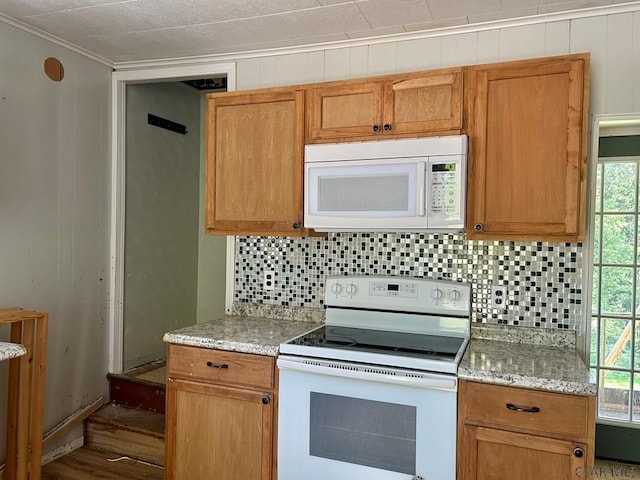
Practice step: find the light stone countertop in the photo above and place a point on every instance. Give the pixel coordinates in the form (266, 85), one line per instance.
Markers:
(257, 335)
(553, 368)
(11, 350)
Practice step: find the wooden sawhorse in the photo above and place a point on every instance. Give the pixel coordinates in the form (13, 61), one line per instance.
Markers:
(26, 393)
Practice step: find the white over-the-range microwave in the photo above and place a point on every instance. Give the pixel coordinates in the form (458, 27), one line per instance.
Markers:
(415, 184)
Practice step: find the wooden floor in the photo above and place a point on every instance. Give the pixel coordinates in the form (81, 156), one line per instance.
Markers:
(613, 469)
(88, 464)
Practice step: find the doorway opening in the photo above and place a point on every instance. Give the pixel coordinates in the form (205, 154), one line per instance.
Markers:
(165, 272)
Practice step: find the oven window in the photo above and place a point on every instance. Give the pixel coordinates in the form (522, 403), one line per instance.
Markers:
(364, 432)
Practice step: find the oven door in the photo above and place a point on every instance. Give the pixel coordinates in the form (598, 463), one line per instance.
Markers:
(342, 420)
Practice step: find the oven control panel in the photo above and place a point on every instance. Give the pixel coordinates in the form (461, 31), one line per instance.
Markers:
(393, 289)
(398, 293)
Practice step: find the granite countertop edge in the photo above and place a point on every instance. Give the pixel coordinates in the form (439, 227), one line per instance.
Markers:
(526, 381)
(555, 368)
(240, 333)
(11, 350)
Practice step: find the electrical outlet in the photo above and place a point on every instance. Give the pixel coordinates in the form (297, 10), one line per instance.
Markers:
(498, 296)
(269, 281)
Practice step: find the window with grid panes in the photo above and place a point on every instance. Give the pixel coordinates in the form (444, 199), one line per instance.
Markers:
(615, 321)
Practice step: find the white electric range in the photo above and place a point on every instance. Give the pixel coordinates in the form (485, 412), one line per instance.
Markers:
(372, 393)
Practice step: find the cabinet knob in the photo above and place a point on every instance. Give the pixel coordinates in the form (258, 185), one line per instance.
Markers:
(387, 127)
(578, 452)
(478, 227)
(376, 128)
(296, 225)
(265, 400)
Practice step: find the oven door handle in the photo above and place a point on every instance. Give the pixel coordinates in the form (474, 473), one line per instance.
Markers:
(368, 372)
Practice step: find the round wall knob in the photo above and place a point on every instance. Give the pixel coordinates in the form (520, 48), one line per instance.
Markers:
(478, 227)
(387, 127)
(376, 128)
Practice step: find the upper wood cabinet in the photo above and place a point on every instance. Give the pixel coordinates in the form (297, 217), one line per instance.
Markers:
(254, 164)
(527, 126)
(412, 104)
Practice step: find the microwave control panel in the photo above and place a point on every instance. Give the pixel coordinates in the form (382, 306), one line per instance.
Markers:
(445, 189)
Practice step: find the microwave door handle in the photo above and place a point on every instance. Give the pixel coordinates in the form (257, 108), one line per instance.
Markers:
(422, 185)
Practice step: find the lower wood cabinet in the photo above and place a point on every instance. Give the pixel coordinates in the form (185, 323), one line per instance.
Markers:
(516, 433)
(220, 415)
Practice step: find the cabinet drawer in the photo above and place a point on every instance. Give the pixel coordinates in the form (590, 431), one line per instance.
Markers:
(557, 413)
(221, 367)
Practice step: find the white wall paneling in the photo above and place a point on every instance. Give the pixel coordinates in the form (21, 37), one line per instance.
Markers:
(522, 42)
(557, 38)
(488, 46)
(459, 49)
(422, 54)
(619, 70)
(297, 68)
(337, 64)
(359, 61)
(382, 59)
(54, 189)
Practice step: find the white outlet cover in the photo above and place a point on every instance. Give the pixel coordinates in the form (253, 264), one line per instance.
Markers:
(269, 281)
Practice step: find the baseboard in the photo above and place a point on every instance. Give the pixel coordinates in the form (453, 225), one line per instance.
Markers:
(56, 452)
(62, 450)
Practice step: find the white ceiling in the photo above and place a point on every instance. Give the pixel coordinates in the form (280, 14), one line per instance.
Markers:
(133, 30)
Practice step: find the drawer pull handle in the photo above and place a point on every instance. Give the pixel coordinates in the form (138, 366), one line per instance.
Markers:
(578, 452)
(515, 408)
(217, 365)
(265, 400)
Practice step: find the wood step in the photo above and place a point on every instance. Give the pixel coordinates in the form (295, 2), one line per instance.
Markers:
(127, 431)
(91, 464)
(142, 387)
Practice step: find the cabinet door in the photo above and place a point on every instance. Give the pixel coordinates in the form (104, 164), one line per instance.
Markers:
(343, 111)
(527, 156)
(217, 433)
(490, 454)
(254, 163)
(425, 102)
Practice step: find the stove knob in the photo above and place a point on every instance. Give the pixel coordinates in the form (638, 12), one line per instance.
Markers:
(455, 295)
(436, 294)
(336, 289)
(351, 290)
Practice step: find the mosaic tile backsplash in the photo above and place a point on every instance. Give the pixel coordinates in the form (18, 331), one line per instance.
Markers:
(542, 280)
